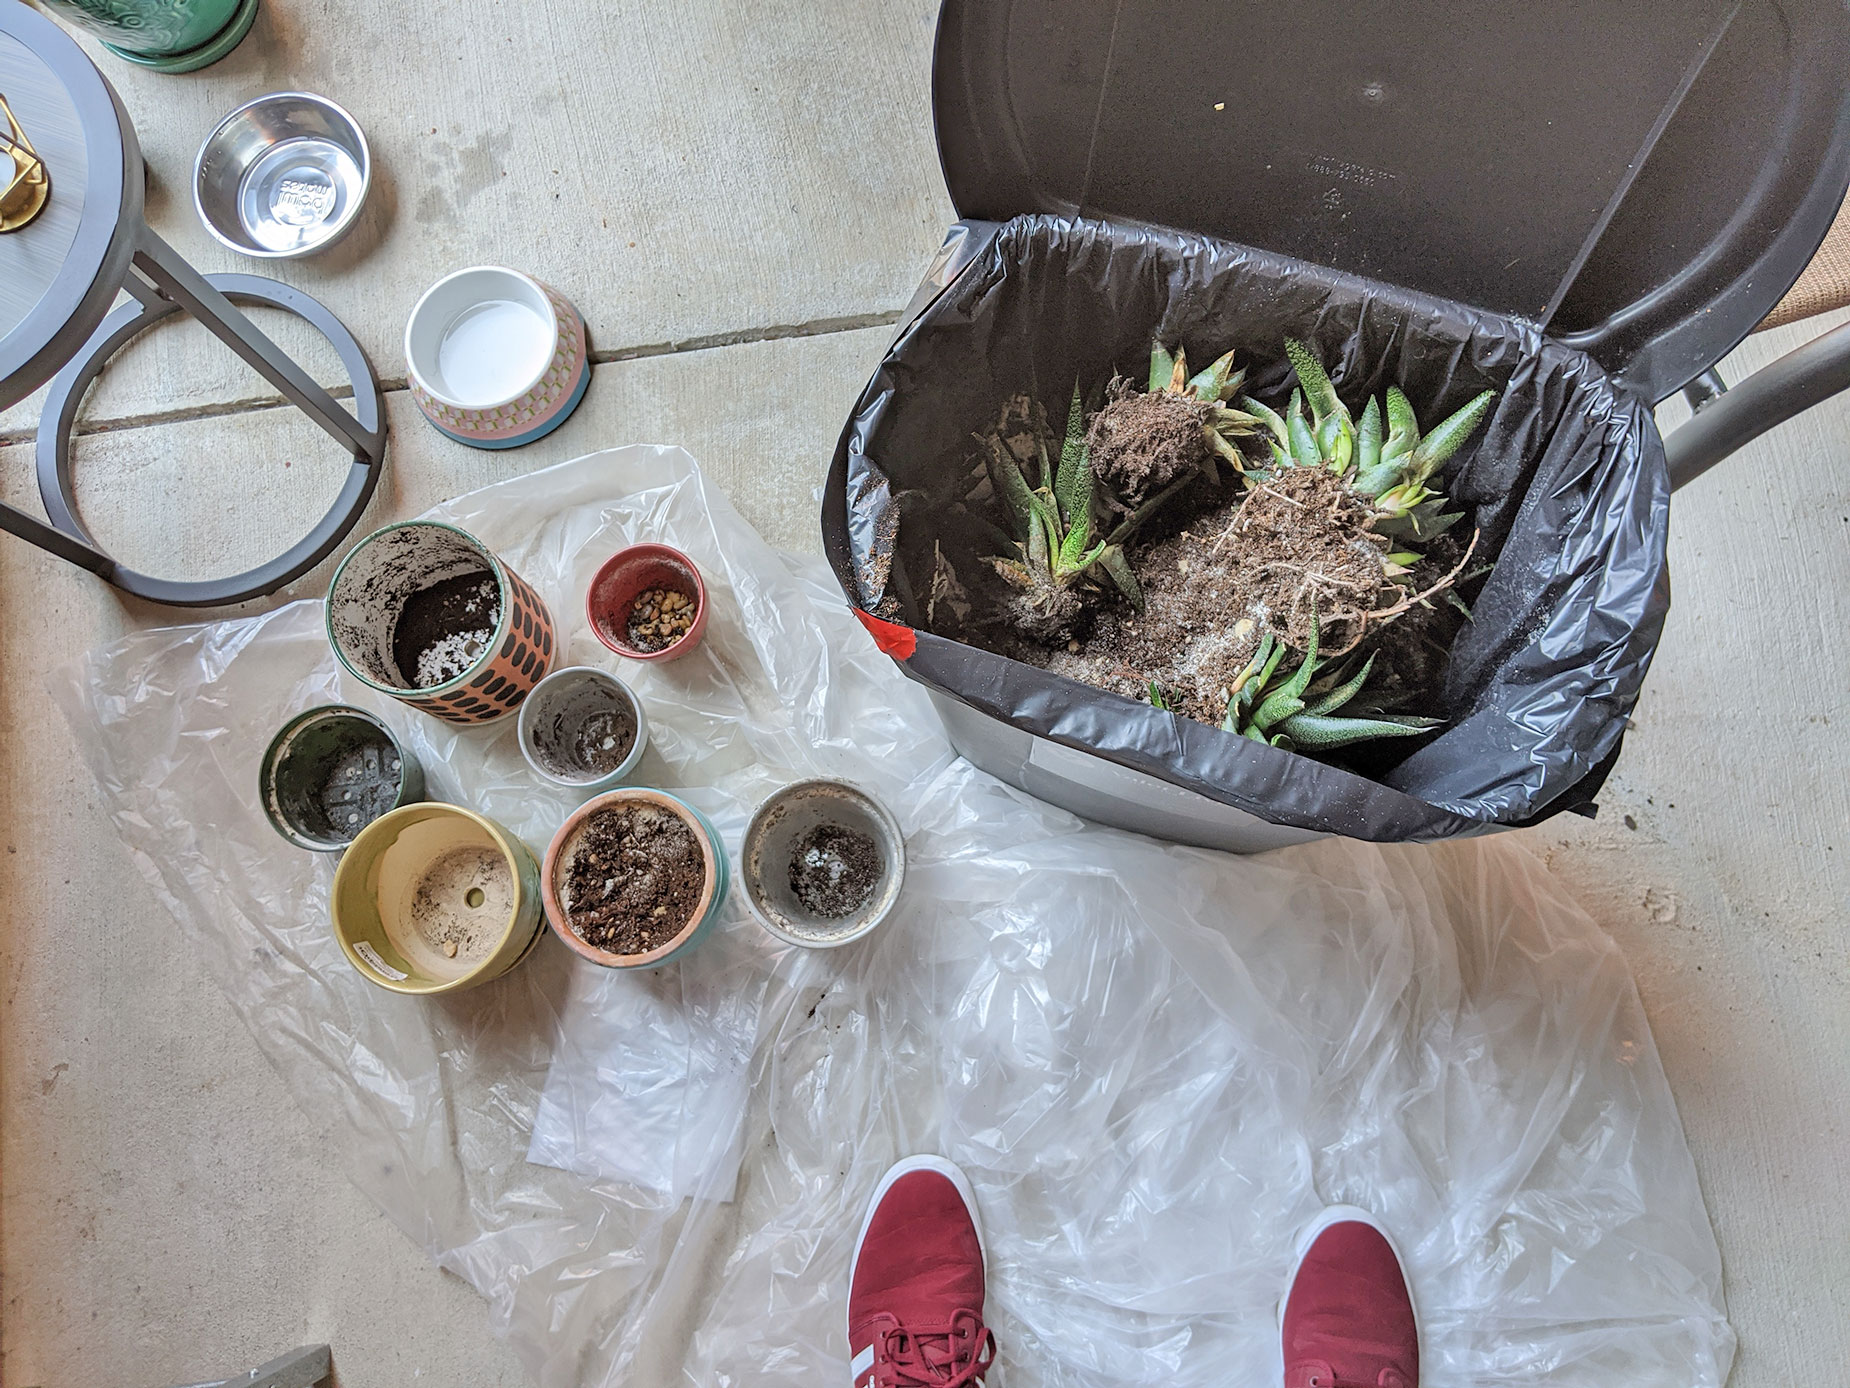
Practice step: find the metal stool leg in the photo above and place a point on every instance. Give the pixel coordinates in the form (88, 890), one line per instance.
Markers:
(34, 531)
(166, 291)
(1705, 388)
(300, 1368)
(179, 282)
(1772, 395)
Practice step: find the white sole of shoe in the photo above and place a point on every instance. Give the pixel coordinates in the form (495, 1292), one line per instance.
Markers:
(1338, 1214)
(905, 1167)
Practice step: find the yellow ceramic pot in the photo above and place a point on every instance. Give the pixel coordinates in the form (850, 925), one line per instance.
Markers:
(434, 898)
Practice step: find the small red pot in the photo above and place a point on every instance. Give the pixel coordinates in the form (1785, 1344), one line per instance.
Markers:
(624, 577)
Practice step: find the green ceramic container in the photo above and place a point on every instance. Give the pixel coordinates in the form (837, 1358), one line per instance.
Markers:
(166, 35)
(332, 771)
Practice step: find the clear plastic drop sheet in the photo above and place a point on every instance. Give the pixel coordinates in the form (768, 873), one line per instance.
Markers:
(1155, 1063)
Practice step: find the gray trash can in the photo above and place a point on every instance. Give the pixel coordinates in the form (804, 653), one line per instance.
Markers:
(1584, 209)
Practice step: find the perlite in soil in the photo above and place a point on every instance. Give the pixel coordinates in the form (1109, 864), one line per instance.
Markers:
(834, 870)
(445, 628)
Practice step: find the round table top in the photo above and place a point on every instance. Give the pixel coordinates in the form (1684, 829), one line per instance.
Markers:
(59, 274)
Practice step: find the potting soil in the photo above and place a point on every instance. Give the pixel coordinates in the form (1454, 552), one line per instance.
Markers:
(587, 739)
(834, 870)
(631, 879)
(1154, 1063)
(602, 741)
(445, 628)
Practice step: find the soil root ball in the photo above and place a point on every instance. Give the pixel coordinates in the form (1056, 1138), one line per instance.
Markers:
(1299, 545)
(1045, 612)
(1141, 442)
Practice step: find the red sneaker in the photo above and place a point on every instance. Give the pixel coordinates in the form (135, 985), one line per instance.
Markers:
(1348, 1320)
(915, 1295)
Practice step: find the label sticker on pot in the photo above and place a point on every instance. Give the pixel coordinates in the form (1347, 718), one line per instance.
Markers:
(371, 956)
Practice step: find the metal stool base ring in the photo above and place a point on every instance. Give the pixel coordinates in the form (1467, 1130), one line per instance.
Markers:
(54, 446)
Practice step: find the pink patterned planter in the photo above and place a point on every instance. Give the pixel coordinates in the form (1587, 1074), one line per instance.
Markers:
(368, 595)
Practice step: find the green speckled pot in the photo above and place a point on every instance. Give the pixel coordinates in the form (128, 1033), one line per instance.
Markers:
(292, 778)
(166, 35)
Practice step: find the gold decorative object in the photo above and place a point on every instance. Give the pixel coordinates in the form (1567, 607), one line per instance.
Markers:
(27, 184)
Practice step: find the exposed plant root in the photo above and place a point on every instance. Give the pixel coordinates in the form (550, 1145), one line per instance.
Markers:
(1382, 615)
(1210, 581)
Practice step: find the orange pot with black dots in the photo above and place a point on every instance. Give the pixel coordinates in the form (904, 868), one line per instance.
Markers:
(427, 613)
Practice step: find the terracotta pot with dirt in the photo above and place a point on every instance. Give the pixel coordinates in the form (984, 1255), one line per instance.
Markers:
(648, 602)
(634, 879)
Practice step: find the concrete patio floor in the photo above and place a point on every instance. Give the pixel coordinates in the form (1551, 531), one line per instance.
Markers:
(741, 199)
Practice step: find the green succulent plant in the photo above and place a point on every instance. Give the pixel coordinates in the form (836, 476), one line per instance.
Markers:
(1301, 709)
(1390, 470)
(1055, 535)
(1147, 444)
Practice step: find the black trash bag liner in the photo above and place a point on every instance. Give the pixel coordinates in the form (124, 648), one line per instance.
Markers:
(1566, 480)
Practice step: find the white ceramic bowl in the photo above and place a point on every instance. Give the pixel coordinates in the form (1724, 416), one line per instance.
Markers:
(496, 358)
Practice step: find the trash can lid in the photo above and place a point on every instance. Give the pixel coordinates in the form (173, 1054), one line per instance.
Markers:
(1642, 181)
(59, 273)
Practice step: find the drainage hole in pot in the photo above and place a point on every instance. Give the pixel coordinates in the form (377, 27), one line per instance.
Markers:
(360, 784)
(632, 880)
(458, 911)
(834, 870)
(446, 628)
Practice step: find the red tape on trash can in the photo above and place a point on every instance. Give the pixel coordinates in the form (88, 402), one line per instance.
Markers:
(897, 641)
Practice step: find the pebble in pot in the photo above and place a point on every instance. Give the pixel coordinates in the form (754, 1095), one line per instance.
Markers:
(823, 863)
(634, 878)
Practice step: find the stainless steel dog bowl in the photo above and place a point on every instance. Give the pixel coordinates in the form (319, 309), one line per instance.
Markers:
(772, 837)
(281, 176)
